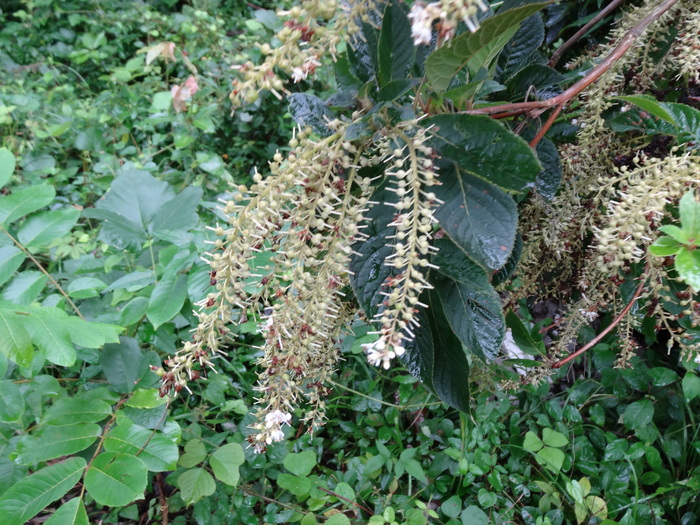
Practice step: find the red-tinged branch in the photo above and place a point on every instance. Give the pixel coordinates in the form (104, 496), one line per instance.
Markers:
(605, 332)
(593, 21)
(535, 108)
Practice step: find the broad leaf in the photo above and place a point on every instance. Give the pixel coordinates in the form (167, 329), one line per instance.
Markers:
(665, 246)
(123, 364)
(71, 513)
(689, 209)
(11, 402)
(16, 343)
(167, 299)
(178, 214)
(157, 451)
(91, 334)
(309, 110)
(476, 49)
(395, 52)
(75, 410)
(484, 147)
(7, 166)
(51, 336)
(115, 479)
(11, 258)
(688, 267)
(33, 494)
(548, 180)
(196, 484)
(471, 306)
(41, 229)
(518, 52)
(57, 441)
(478, 217)
(535, 79)
(300, 464)
(639, 414)
(225, 461)
(24, 201)
(24, 288)
(552, 458)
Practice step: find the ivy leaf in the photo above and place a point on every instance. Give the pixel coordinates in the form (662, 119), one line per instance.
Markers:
(7, 166)
(25, 201)
(195, 484)
(71, 513)
(115, 479)
(395, 52)
(477, 216)
(56, 441)
(41, 229)
(476, 50)
(552, 438)
(486, 148)
(34, 493)
(551, 458)
(225, 461)
(156, 451)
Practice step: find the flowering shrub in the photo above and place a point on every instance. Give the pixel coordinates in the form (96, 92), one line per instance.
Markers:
(397, 202)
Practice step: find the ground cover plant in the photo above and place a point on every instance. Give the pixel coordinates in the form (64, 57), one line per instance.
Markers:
(371, 262)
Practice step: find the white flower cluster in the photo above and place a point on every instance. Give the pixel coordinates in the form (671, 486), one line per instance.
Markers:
(446, 15)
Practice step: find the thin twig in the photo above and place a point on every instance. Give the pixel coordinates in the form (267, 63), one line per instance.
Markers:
(626, 42)
(163, 500)
(545, 128)
(597, 18)
(38, 265)
(605, 332)
(346, 499)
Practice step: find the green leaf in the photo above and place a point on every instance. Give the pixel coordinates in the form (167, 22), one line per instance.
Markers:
(11, 402)
(7, 166)
(638, 414)
(56, 441)
(484, 147)
(688, 267)
(518, 52)
(532, 443)
(309, 110)
(167, 299)
(24, 288)
(196, 484)
(42, 228)
(91, 334)
(666, 118)
(476, 50)
(522, 336)
(224, 462)
(123, 364)
(473, 311)
(195, 453)
(395, 51)
(676, 233)
(146, 398)
(392, 91)
(11, 258)
(473, 515)
(116, 479)
(300, 464)
(116, 229)
(157, 451)
(552, 438)
(51, 336)
(540, 77)
(74, 410)
(689, 209)
(70, 513)
(548, 180)
(650, 105)
(665, 246)
(16, 343)
(24, 201)
(552, 458)
(178, 214)
(478, 217)
(34, 493)
(691, 386)
(452, 507)
(338, 519)
(297, 485)
(85, 287)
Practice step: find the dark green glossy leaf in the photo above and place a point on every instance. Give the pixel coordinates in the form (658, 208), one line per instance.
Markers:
(534, 79)
(478, 217)
(123, 364)
(167, 299)
(639, 414)
(519, 51)
(548, 180)
(395, 52)
(486, 148)
(309, 110)
(396, 89)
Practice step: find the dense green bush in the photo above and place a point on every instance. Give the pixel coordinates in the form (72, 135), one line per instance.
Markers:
(124, 171)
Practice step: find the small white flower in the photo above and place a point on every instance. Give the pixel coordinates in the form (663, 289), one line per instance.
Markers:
(277, 418)
(421, 23)
(274, 436)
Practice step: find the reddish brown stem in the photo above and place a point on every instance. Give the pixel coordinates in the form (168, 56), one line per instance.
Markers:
(545, 128)
(626, 42)
(162, 498)
(605, 332)
(597, 18)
